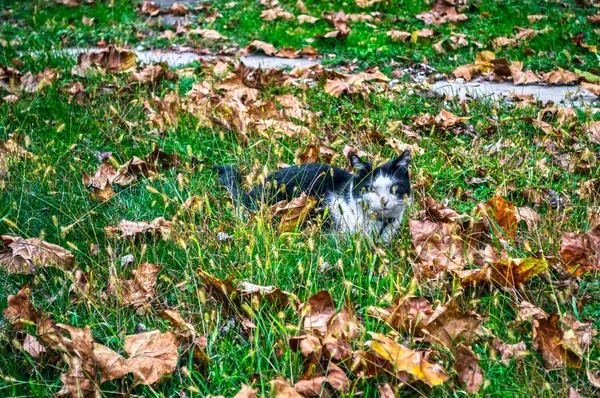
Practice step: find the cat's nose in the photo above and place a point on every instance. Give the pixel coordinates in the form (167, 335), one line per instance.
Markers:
(384, 201)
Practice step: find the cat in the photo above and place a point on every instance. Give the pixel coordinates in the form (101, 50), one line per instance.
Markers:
(370, 200)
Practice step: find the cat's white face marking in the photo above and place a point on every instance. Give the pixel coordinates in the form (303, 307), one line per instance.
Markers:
(382, 199)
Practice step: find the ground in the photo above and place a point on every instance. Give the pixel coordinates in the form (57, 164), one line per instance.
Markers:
(491, 285)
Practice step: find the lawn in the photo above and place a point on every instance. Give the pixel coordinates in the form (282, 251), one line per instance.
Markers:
(489, 289)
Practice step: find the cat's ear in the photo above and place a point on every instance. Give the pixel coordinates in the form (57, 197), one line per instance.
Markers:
(403, 161)
(358, 164)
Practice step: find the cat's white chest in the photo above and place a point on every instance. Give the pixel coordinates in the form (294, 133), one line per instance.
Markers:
(347, 214)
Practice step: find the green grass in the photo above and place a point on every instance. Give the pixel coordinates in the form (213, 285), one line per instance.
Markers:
(45, 198)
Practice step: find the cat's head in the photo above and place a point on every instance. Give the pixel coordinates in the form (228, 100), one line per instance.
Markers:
(384, 190)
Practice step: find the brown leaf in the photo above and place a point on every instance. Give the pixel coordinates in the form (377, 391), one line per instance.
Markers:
(109, 60)
(504, 42)
(18, 255)
(77, 352)
(100, 185)
(178, 10)
(294, 212)
(437, 246)
(149, 8)
(385, 391)
(153, 73)
(267, 48)
(246, 392)
(509, 351)
(315, 386)
(438, 212)
(512, 273)
(504, 215)
(405, 360)
(548, 338)
(11, 154)
(592, 129)
(466, 71)
(397, 35)
(139, 290)
(468, 369)
(151, 355)
(336, 87)
(559, 76)
(20, 310)
(581, 252)
(526, 33)
(33, 347)
(131, 229)
(529, 312)
(317, 312)
(307, 19)
(281, 389)
(447, 119)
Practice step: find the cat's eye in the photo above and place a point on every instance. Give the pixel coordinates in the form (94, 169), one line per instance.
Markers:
(394, 189)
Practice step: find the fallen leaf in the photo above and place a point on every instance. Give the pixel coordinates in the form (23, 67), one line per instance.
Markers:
(509, 351)
(437, 245)
(267, 48)
(467, 368)
(33, 347)
(581, 252)
(20, 310)
(559, 76)
(504, 215)
(397, 35)
(18, 255)
(317, 312)
(178, 10)
(405, 360)
(131, 229)
(139, 290)
(153, 73)
(307, 19)
(294, 212)
(149, 8)
(109, 60)
(547, 339)
(281, 389)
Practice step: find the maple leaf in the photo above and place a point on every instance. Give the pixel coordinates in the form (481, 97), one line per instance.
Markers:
(504, 215)
(20, 309)
(109, 60)
(512, 273)
(151, 356)
(150, 8)
(509, 351)
(437, 246)
(131, 229)
(548, 340)
(559, 76)
(307, 19)
(294, 212)
(178, 10)
(138, 290)
(406, 360)
(581, 252)
(467, 368)
(18, 255)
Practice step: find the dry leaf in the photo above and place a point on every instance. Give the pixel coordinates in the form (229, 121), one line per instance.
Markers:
(20, 310)
(581, 252)
(548, 340)
(139, 290)
(509, 351)
(406, 360)
(504, 216)
(294, 212)
(18, 255)
(468, 369)
(109, 60)
(131, 229)
(559, 76)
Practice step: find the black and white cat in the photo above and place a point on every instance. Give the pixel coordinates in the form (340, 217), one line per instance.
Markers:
(371, 201)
